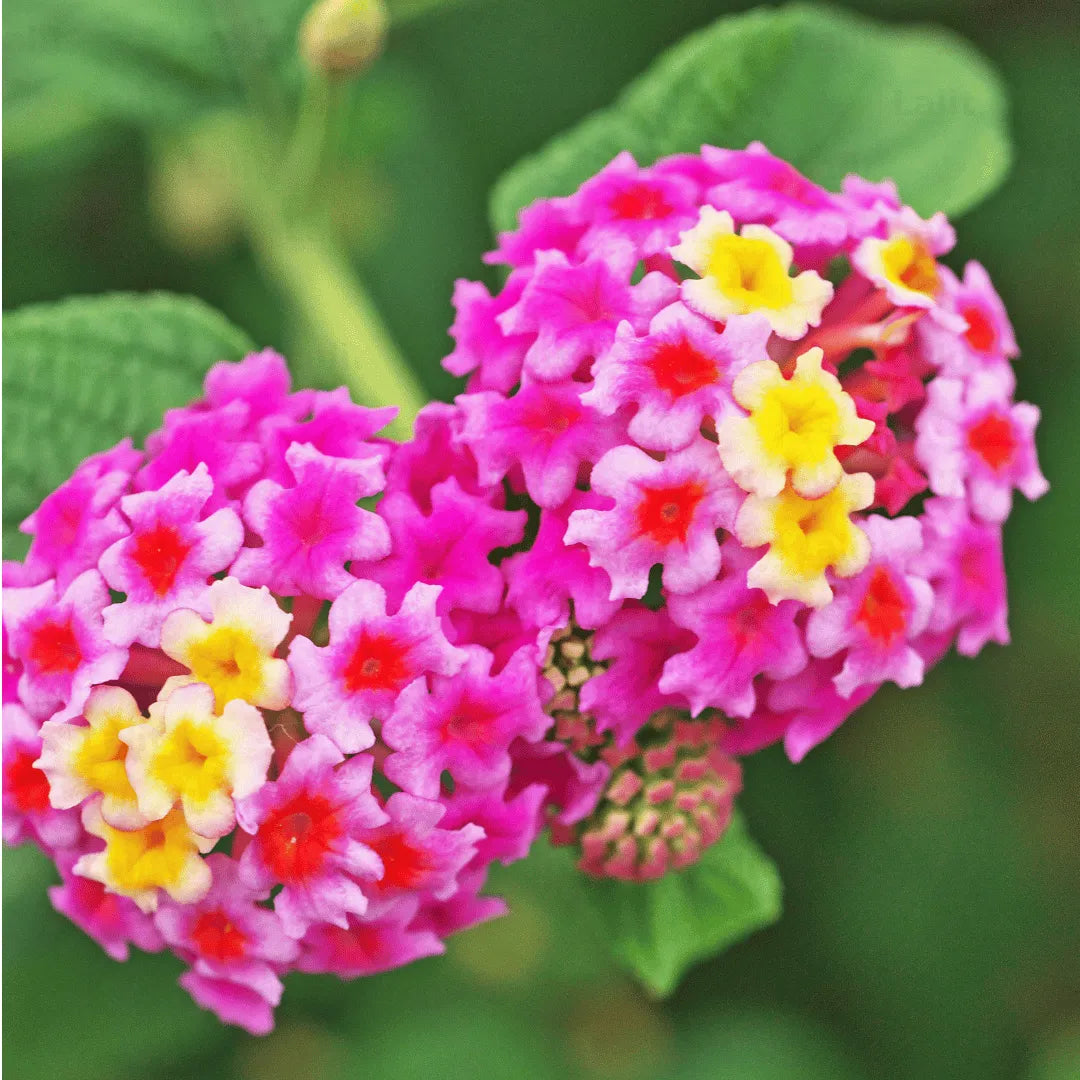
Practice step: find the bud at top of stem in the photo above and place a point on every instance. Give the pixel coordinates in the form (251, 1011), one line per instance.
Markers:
(342, 38)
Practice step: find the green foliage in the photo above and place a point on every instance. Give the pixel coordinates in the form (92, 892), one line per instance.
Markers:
(659, 929)
(82, 374)
(830, 92)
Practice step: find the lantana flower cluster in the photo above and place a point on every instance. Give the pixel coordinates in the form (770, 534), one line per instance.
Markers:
(252, 720)
(767, 441)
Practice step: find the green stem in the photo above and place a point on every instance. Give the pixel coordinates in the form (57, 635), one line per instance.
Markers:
(311, 270)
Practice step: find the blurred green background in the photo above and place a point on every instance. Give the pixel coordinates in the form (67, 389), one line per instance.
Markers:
(930, 850)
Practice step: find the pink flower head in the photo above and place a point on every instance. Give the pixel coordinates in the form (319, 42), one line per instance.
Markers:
(664, 512)
(546, 429)
(450, 547)
(964, 562)
(465, 724)
(28, 811)
(313, 528)
(753, 185)
(740, 636)
(168, 555)
(972, 440)
(60, 640)
(677, 375)
(510, 825)
(367, 946)
(622, 202)
(574, 310)
(553, 574)
(371, 657)
(79, 520)
(418, 854)
(306, 829)
(878, 613)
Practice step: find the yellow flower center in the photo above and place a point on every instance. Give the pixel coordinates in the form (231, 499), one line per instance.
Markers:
(230, 662)
(192, 760)
(909, 264)
(100, 759)
(149, 858)
(812, 534)
(749, 272)
(798, 422)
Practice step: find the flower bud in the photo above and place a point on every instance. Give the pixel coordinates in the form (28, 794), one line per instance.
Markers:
(342, 38)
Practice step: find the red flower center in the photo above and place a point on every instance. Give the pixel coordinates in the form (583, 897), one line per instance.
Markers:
(28, 787)
(640, 202)
(470, 722)
(159, 553)
(404, 866)
(295, 837)
(747, 621)
(54, 648)
(666, 514)
(883, 612)
(378, 662)
(992, 438)
(217, 938)
(679, 369)
(980, 334)
(550, 417)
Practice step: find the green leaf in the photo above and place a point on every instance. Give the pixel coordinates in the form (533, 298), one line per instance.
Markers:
(829, 91)
(82, 374)
(659, 929)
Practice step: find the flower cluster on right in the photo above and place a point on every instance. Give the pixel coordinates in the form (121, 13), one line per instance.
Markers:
(767, 442)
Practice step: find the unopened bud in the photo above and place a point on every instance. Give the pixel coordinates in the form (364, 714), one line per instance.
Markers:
(341, 38)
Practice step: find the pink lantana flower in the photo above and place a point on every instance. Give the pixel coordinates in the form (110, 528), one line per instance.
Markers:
(313, 528)
(235, 948)
(664, 512)
(546, 430)
(418, 854)
(649, 207)
(972, 440)
(306, 827)
(59, 638)
(465, 725)
(370, 658)
(574, 310)
(509, 824)
(545, 580)
(113, 921)
(167, 557)
(367, 946)
(878, 613)
(28, 810)
(754, 185)
(79, 520)
(441, 548)
(987, 343)
(493, 357)
(965, 564)
(740, 636)
(677, 375)
(635, 646)
(219, 439)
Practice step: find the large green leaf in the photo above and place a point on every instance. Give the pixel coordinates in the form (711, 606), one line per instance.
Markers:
(659, 929)
(831, 92)
(81, 374)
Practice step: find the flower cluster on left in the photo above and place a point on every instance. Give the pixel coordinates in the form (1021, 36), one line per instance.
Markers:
(239, 721)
